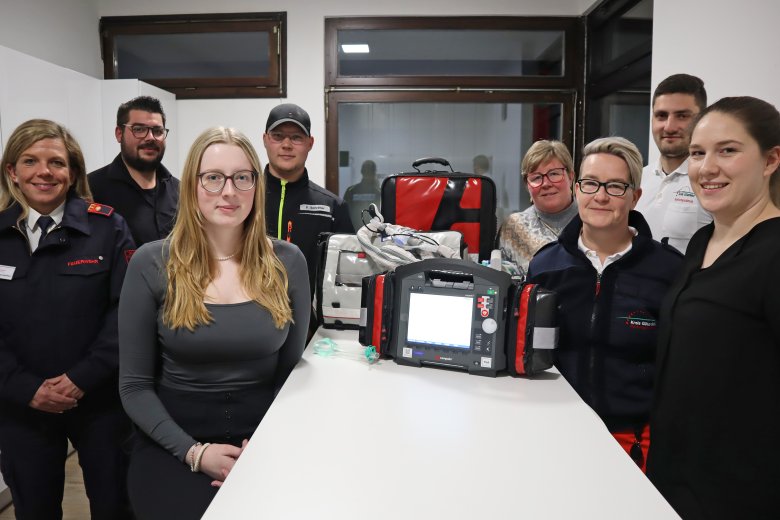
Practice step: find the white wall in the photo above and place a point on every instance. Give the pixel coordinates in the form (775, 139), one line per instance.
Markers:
(84, 104)
(732, 46)
(40, 89)
(63, 32)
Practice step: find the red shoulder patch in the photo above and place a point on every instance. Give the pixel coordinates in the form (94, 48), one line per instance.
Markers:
(100, 209)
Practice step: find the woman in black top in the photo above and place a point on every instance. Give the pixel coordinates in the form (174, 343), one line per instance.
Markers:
(716, 417)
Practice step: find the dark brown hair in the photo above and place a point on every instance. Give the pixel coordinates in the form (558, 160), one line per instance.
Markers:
(683, 84)
(761, 120)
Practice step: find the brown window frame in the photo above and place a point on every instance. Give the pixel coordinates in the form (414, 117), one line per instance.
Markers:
(569, 25)
(566, 89)
(272, 86)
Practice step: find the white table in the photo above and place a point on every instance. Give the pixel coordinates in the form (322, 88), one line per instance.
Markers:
(345, 440)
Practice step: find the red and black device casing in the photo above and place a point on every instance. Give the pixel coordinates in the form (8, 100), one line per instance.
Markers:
(532, 334)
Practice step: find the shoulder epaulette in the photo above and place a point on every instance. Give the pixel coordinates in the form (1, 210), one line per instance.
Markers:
(100, 209)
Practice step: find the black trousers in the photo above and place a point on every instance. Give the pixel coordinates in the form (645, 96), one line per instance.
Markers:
(33, 448)
(163, 487)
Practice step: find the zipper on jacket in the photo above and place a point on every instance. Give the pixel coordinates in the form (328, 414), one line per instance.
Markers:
(281, 210)
(592, 358)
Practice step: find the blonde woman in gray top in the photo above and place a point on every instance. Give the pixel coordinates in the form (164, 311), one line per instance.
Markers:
(548, 171)
(212, 320)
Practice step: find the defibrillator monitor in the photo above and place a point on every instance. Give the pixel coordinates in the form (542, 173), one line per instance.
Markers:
(438, 319)
(450, 313)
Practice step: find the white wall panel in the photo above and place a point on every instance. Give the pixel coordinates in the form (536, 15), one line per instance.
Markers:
(38, 89)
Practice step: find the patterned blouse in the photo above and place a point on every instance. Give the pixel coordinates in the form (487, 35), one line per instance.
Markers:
(522, 234)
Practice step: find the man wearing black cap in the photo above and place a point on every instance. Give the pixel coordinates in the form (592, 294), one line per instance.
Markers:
(297, 209)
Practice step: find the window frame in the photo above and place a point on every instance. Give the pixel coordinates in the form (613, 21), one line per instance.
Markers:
(569, 25)
(618, 76)
(272, 86)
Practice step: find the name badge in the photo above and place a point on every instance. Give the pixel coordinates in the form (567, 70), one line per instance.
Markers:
(319, 208)
(7, 272)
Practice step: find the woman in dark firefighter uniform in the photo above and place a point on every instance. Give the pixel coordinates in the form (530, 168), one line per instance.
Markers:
(62, 262)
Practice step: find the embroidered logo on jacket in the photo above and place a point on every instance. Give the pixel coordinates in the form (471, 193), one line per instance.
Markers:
(640, 320)
(685, 196)
(85, 261)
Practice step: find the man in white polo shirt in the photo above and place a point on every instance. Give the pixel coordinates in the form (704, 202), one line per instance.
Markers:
(668, 202)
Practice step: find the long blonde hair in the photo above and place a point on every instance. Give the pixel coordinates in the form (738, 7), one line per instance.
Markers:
(26, 135)
(190, 266)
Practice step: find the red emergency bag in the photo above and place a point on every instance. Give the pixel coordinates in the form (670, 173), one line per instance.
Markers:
(532, 334)
(441, 200)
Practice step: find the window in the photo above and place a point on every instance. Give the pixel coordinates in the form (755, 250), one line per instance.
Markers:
(457, 51)
(199, 56)
(390, 131)
(477, 91)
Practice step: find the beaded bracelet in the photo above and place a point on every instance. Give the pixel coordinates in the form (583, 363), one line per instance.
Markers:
(192, 456)
(196, 466)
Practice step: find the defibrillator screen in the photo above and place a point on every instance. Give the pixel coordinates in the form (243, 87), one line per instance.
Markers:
(440, 320)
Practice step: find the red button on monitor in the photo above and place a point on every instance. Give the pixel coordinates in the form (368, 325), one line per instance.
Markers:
(484, 313)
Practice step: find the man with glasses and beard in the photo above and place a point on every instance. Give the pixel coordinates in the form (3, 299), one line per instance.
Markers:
(136, 183)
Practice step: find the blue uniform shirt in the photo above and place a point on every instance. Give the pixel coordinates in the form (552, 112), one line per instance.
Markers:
(58, 304)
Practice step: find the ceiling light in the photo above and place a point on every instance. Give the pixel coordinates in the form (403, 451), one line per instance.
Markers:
(353, 48)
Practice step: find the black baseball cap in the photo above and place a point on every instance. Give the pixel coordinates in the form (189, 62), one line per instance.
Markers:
(288, 113)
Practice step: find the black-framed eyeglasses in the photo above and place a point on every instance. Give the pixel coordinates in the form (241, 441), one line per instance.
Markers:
(554, 175)
(279, 137)
(243, 180)
(141, 131)
(614, 188)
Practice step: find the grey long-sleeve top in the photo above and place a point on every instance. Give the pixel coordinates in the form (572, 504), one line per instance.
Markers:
(240, 348)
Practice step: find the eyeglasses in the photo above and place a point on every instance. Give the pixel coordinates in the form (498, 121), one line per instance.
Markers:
(141, 131)
(614, 188)
(243, 180)
(555, 176)
(279, 137)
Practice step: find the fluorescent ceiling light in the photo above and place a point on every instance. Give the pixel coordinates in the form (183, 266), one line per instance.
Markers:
(353, 48)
